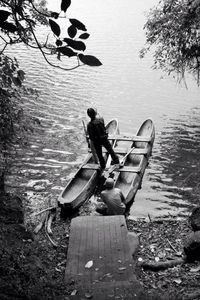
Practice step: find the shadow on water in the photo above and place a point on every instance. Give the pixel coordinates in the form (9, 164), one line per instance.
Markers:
(172, 185)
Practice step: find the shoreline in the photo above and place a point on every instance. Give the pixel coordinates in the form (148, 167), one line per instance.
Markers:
(34, 268)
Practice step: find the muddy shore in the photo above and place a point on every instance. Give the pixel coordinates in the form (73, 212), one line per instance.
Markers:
(33, 268)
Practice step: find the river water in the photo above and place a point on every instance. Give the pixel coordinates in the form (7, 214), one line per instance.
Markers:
(124, 87)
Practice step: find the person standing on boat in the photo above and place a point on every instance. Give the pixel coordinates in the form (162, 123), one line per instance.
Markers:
(112, 200)
(99, 137)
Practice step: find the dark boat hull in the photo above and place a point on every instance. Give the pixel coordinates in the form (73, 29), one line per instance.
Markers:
(82, 185)
(129, 182)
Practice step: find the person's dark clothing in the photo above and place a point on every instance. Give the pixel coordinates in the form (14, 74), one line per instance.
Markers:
(97, 133)
(112, 200)
(96, 129)
(98, 147)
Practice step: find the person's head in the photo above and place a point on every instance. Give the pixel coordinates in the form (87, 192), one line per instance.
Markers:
(92, 113)
(109, 183)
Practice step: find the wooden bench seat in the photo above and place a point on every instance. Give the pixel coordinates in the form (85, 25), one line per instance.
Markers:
(135, 138)
(129, 169)
(137, 151)
(91, 166)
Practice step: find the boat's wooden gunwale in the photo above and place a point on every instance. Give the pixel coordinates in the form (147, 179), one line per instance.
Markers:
(85, 193)
(76, 175)
(143, 144)
(136, 182)
(89, 185)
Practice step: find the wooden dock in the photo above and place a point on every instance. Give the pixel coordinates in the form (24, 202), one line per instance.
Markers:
(99, 261)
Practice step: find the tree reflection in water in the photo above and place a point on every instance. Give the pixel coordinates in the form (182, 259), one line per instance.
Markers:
(178, 162)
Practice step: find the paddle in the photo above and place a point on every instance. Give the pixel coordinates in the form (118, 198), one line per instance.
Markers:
(121, 164)
(108, 162)
(86, 136)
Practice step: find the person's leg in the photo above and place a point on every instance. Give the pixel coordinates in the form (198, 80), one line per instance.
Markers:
(95, 157)
(98, 148)
(110, 150)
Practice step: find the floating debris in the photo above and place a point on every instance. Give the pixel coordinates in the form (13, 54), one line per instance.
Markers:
(89, 264)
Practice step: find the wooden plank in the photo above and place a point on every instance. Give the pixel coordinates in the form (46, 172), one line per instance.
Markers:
(91, 166)
(140, 151)
(103, 241)
(137, 151)
(129, 169)
(134, 138)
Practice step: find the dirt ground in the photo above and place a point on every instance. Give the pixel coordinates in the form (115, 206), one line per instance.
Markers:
(32, 267)
(162, 241)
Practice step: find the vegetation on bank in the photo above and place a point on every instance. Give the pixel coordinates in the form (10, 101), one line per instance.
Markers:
(15, 124)
(173, 32)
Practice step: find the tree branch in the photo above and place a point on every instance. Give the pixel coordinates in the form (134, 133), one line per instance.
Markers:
(41, 13)
(6, 43)
(43, 54)
(6, 3)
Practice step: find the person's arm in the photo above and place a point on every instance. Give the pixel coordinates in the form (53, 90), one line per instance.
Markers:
(102, 196)
(91, 131)
(87, 135)
(101, 118)
(122, 197)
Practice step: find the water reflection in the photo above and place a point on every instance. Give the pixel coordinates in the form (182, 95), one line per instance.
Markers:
(172, 178)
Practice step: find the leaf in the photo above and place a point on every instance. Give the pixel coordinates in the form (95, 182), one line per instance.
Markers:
(72, 31)
(31, 21)
(9, 81)
(89, 264)
(4, 14)
(58, 43)
(89, 60)
(21, 74)
(194, 270)
(88, 296)
(58, 270)
(54, 27)
(16, 81)
(58, 56)
(66, 51)
(77, 45)
(74, 292)
(84, 36)
(65, 4)
(19, 9)
(8, 27)
(54, 15)
(178, 281)
(79, 25)
(140, 259)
